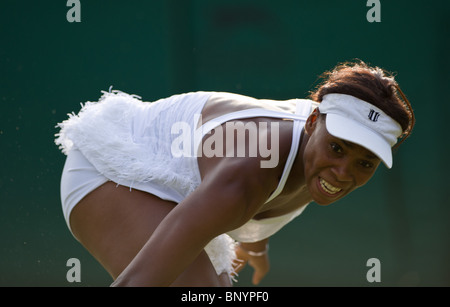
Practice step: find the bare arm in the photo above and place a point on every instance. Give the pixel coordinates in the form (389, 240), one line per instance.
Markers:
(225, 200)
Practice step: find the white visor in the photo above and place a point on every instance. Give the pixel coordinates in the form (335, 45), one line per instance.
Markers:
(362, 123)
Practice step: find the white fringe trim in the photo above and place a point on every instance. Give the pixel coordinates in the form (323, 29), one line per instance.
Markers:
(221, 252)
(102, 132)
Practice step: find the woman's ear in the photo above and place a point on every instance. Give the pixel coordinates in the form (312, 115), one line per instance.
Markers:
(311, 122)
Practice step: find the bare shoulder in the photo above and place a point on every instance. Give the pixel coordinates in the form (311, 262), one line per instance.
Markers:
(221, 103)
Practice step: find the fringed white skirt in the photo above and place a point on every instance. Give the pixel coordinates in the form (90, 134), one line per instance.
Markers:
(104, 147)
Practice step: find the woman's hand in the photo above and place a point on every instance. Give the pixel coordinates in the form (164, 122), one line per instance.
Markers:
(259, 261)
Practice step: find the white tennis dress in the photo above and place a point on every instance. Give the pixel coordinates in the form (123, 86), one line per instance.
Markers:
(130, 142)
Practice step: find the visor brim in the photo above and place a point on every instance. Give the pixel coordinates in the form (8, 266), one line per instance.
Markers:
(352, 131)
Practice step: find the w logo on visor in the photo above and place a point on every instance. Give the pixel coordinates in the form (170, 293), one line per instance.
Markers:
(373, 115)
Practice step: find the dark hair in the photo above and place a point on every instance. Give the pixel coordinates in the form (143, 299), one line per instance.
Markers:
(371, 84)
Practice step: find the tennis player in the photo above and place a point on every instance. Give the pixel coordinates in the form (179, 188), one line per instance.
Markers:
(185, 191)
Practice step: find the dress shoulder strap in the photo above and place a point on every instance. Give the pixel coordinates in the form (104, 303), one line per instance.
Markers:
(302, 110)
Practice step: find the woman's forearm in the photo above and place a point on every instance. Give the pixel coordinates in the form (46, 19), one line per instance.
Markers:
(187, 229)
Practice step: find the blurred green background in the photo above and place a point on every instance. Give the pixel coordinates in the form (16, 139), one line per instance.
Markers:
(265, 49)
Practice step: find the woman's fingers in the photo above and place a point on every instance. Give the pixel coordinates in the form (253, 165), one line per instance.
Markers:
(261, 266)
(259, 263)
(241, 259)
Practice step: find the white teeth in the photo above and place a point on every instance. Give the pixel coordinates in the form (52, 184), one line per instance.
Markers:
(328, 187)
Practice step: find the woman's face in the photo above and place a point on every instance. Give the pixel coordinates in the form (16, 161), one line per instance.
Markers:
(334, 167)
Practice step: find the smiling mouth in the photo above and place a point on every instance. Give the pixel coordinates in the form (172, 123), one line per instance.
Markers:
(328, 187)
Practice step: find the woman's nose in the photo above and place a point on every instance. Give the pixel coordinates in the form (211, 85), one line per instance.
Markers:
(342, 171)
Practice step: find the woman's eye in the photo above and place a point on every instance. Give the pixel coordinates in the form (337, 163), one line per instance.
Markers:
(336, 148)
(366, 164)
